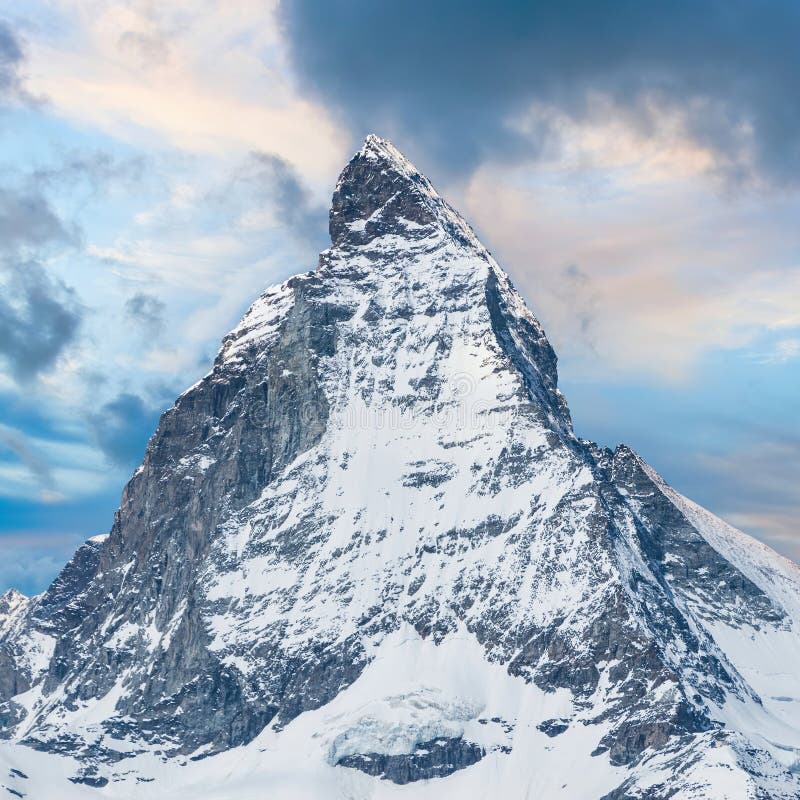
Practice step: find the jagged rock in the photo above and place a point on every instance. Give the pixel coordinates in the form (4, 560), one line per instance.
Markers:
(553, 727)
(435, 759)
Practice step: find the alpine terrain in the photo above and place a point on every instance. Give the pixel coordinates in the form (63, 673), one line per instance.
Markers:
(367, 557)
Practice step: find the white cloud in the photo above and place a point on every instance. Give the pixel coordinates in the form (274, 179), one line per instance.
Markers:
(606, 141)
(205, 77)
(670, 269)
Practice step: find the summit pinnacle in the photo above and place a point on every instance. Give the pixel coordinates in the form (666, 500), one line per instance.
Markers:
(381, 192)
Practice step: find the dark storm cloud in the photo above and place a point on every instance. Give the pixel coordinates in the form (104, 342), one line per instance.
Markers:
(122, 427)
(146, 310)
(448, 76)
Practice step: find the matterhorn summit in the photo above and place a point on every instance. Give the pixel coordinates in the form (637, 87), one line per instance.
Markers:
(367, 557)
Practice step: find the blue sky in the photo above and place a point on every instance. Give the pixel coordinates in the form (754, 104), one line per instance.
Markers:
(635, 167)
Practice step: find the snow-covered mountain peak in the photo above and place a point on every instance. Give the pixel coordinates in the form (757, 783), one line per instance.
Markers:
(376, 148)
(367, 549)
(11, 597)
(10, 603)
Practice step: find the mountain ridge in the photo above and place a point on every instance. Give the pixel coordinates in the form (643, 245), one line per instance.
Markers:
(377, 483)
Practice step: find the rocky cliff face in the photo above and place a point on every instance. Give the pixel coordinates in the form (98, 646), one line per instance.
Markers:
(369, 548)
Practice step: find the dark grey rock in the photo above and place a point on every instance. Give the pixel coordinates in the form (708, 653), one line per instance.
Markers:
(434, 759)
(553, 727)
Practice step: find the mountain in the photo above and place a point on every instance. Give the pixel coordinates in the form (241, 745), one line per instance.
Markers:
(12, 604)
(366, 556)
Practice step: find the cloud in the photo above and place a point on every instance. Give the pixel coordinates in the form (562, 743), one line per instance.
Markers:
(96, 168)
(211, 82)
(755, 488)
(122, 427)
(16, 442)
(577, 289)
(203, 250)
(783, 351)
(39, 318)
(456, 80)
(11, 58)
(150, 48)
(27, 220)
(147, 311)
(29, 560)
(275, 181)
(39, 315)
(664, 273)
(214, 232)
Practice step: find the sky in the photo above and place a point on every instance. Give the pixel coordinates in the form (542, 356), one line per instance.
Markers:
(635, 167)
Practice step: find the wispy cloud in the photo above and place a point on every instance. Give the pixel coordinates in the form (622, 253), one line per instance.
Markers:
(49, 469)
(209, 81)
(18, 444)
(783, 350)
(662, 273)
(29, 560)
(147, 311)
